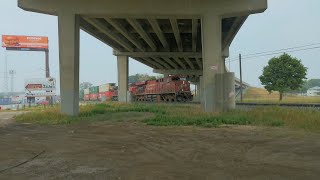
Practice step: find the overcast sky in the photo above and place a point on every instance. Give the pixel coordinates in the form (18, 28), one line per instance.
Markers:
(286, 23)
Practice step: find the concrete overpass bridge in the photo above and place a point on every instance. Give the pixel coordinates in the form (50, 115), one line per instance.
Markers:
(190, 37)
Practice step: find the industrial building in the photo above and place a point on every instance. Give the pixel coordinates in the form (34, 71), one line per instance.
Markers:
(315, 91)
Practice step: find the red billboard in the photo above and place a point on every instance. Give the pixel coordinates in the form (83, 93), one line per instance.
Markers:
(31, 42)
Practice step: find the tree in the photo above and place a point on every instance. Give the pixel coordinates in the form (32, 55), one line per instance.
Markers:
(282, 74)
(310, 84)
(85, 85)
(140, 77)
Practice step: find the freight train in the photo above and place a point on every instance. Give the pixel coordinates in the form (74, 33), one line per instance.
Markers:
(168, 89)
(103, 92)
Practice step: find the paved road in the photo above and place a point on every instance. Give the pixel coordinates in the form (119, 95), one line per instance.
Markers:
(6, 118)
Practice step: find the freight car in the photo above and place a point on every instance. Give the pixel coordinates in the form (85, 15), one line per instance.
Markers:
(168, 89)
(103, 92)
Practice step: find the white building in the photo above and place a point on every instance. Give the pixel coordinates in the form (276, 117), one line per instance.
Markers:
(315, 91)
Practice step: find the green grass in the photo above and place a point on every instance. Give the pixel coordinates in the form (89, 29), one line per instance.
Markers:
(182, 115)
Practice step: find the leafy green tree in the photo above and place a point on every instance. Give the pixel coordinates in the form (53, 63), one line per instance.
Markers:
(140, 77)
(282, 74)
(85, 85)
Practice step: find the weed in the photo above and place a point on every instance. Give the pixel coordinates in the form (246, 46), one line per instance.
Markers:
(182, 115)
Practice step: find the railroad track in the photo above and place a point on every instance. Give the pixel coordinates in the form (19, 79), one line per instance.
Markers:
(293, 105)
(281, 105)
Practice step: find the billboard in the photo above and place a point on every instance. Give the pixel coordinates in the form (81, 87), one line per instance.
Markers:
(13, 42)
(39, 93)
(40, 84)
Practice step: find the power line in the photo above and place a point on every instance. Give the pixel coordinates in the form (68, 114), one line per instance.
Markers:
(296, 50)
(284, 49)
(276, 51)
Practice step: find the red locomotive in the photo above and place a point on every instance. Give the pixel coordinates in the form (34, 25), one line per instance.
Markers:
(170, 89)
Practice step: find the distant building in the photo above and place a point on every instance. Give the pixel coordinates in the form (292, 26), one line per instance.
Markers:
(315, 91)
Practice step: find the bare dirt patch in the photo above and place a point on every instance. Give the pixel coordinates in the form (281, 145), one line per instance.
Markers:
(6, 118)
(131, 150)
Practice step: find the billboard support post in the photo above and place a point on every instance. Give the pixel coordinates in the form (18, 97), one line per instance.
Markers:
(48, 98)
(47, 63)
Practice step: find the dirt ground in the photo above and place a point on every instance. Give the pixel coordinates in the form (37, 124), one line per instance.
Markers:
(131, 150)
(6, 118)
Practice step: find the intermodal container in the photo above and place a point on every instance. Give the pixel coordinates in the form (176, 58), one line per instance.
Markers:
(106, 87)
(105, 95)
(5, 101)
(94, 97)
(94, 90)
(86, 91)
(86, 97)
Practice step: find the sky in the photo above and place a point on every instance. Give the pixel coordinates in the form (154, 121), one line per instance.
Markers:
(286, 23)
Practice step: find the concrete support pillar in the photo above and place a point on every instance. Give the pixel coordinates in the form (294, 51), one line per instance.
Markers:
(198, 90)
(212, 62)
(228, 83)
(69, 62)
(225, 54)
(196, 98)
(229, 91)
(201, 96)
(123, 73)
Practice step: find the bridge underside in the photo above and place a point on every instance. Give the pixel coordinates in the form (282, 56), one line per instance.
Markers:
(170, 36)
(162, 43)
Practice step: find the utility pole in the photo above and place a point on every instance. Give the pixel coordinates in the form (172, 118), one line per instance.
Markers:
(12, 73)
(241, 92)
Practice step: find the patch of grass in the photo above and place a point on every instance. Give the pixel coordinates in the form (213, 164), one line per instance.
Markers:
(203, 121)
(194, 118)
(182, 115)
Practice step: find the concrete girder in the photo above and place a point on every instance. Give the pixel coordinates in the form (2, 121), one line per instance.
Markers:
(158, 64)
(189, 63)
(237, 24)
(110, 34)
(125, 33)
(224, 8)
(134, 23)
(158, 31)
(176, 33)
(162, 62)
(151, 63)
(178, 60)
(199, 63)
(195, 25)
(160, 54)
(145, 62)
(178, 71)
(171, 62)
(88, 28)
